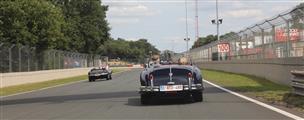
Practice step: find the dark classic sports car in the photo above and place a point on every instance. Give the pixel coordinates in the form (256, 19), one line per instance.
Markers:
(171, 81)
(99, 73)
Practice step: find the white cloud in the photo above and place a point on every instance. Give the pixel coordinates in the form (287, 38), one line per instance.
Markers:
(280, 8)
(130, 11)
(174, 40)
(245, 13)
(183, 19)
(122, 21)
(123, 13)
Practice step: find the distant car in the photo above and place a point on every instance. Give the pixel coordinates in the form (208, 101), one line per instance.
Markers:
(99, 73)
(171, 81)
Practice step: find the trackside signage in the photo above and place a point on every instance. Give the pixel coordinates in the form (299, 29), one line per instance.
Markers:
(223, 47)
(282, 35)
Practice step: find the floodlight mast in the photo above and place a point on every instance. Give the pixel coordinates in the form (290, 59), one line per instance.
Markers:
(187, 39)
(196, 20)
(217, 21)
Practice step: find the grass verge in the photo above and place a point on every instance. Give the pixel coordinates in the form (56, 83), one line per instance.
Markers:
(36, 86)
(260, 88)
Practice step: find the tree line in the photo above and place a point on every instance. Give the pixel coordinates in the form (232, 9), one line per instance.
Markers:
(70, 25)
(209, 39)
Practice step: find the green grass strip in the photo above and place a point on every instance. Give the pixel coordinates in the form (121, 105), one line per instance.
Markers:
(255, 86)
(36, 86)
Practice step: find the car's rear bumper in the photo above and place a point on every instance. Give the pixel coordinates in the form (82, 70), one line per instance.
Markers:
(99, 76)
(156, 89)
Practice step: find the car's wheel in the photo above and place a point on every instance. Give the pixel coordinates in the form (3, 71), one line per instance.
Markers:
(144, 99)
(197, 96)
(108, 77)
(90, 79)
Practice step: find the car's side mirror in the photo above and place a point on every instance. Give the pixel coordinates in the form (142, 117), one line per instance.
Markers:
(145, 66)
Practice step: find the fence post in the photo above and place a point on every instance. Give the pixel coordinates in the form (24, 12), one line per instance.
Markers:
(288, 36)
(262, 38)
(253, 41)
(59, 61)
(54, 60)
(28, 60)
(240, 55)
(19, 53)
(35, 62)
(246, 41)
(273, 35)
(1, 60)
(10, 58)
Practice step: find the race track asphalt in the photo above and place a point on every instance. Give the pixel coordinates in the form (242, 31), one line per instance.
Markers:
(119, 99)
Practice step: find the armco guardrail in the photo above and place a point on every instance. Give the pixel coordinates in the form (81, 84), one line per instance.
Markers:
(298, 82)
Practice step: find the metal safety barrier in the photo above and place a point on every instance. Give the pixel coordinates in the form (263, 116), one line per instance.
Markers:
(298, 82)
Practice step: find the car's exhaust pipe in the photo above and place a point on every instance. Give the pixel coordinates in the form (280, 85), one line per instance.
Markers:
(151, 81)
(190, 80)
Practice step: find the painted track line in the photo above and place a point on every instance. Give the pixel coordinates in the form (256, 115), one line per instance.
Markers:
(287, 114)
(1, 97)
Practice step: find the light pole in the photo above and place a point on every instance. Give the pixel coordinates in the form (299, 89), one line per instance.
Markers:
(217, 21)
(196, 20)
(187, 39)
(187, 42)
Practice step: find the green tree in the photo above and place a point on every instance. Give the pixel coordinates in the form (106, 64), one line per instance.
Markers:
(204, 40)
(35, 23)
(87, 27)
(134, 51)
(297, 16)
(211, 38)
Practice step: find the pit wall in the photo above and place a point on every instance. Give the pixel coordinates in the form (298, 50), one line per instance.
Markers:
(276, 70)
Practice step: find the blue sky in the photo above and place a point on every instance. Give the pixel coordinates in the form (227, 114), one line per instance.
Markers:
(162, 22)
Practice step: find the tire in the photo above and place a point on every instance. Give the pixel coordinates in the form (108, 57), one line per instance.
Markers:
(90, 79)
(144, 99)
(108, 77)
(197, 96)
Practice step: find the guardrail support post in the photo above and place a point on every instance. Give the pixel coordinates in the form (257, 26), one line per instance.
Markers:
(298, 82)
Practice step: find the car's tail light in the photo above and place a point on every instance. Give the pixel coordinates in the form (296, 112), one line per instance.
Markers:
(151, 80)
(189, 75)
(151, 77)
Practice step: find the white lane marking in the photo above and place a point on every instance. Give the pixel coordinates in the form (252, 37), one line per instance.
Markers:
(287, 114)
(1, 97)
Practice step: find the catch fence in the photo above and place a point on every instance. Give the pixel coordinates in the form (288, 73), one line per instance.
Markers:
(279, 37)
(17, 58)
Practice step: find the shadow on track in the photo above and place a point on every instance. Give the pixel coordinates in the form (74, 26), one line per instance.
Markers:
(159, 102)
(123, 94)
(60, 99)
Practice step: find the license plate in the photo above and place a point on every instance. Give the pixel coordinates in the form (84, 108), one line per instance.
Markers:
(171, 87)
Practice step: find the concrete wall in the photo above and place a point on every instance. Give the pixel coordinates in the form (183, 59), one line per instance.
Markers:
(9, 79)
(276, 70)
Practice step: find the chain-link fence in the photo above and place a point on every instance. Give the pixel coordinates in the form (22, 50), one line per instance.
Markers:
(279, 37)
(16, 58)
